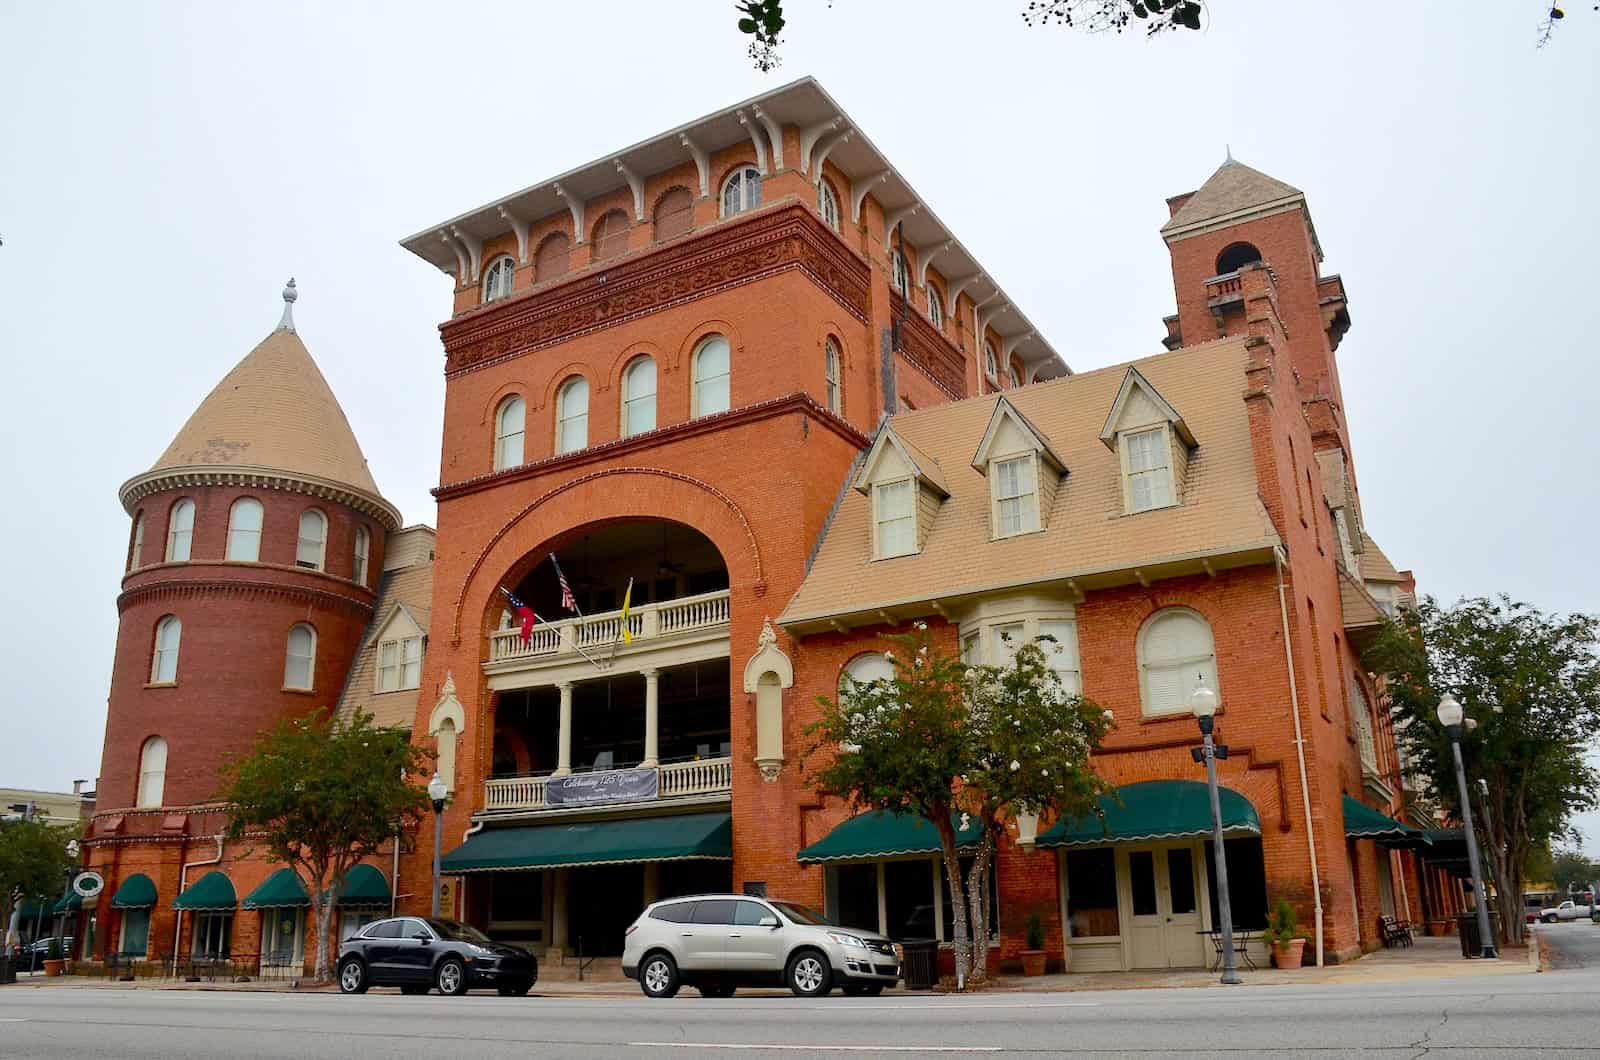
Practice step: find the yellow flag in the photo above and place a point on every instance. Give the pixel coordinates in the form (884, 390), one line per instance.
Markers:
(627, 596)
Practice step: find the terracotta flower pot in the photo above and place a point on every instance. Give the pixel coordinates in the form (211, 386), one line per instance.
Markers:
(53, 967)
(1033, 962)
(1288, 954)
(1435, 928)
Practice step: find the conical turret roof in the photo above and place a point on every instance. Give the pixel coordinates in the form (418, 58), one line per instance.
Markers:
(1233, 188)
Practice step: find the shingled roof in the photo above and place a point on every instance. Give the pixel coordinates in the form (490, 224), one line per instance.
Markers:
(1233, 188)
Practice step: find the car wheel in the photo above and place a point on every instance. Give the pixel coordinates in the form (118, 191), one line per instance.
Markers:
(352, 977)
(515, 989)
(451, 978)
(1550, 919)
(414, 991)
(717, 990)
(809, 974)
(658, 976)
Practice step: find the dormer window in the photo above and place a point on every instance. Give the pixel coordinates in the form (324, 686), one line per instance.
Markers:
(1152, 443)
(1147, 467)
(894, 518)
(904, 487)
(1015, 485)
(1023, 469)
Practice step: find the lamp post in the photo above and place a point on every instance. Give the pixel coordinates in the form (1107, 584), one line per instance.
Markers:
(66, 892)
(1451, 717)
(1203, 702)
(438, 793)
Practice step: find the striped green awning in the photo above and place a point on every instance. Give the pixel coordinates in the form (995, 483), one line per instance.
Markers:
(212, 891)
(364, 885)
(695, 835)
(884, 834)
(1363, 822)
(137, 892)
(281, 890)
(1155, 810)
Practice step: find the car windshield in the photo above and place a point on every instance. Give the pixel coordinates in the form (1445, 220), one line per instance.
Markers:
(458, 932)
(802, 914)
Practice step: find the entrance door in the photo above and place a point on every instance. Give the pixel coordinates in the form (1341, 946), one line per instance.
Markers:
(1164, 891)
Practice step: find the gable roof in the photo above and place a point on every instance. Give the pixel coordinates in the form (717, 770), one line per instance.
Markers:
(1375, 566)
(1005, 411)
(1132, 381)
(1232, 190)
(407, 590)
(927, 468)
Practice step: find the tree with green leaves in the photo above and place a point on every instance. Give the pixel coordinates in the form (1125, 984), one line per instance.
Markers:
(33, 864)
(321, 795)
(1573, 870)
(1530, 683)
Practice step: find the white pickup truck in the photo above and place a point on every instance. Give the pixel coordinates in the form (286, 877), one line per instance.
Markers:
(1568, 910)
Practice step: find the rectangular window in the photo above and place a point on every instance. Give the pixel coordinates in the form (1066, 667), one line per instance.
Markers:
(1016, 496)
(399, 664)
(135, 933)
(411, 662)
(213, 934)
(971, 649)
(896, 518)
(388, 666)
(1062, 655)
(908, 898)
(1092, 893)
(1142, 873)
(1149, 470)
(1006, 640)
(1247, 883)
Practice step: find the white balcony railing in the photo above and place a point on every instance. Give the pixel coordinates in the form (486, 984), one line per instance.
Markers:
(647, 622)
(706, 776)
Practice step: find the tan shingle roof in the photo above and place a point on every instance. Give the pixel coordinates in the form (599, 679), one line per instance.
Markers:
(274, 410)
(1360, 609)
(408, 590)
(1232, 188)
(1375, 566)
(1086, 532)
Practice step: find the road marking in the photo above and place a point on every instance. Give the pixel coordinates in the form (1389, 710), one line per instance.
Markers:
(12, 1019)
(746, 1046)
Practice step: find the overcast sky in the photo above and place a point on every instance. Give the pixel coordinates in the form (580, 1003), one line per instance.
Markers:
(165, 167)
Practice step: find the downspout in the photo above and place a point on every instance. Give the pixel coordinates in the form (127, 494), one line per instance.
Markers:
(394, 874)
(183, 881)
(1300, 751)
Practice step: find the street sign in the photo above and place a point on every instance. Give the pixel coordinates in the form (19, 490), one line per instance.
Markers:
(89, 884)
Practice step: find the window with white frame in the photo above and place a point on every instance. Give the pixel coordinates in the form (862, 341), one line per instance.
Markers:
(830, 369)
(509, 424)
(244, 530)
(1004, 640)
(867, 668)
(1015, 481)
(311, 548)
(164, 660)
(991, 363)
(897, 274)
(180, 531)
(712, 376)
(572, 416)
(300, 657)
(1176, 654)
(828, 205)
(358, 563)
(1147, 464)
(497, 278)
(639, 397)
(152, 772)
(1061, 651)
(1015, 376)
(741, 191)
(935, 307)
(400, 664)
(136, 551)
(895, 518)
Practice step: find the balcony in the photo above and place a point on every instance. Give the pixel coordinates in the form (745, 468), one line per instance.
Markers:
(697, 780)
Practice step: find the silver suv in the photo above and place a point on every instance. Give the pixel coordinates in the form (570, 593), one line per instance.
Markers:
(718, 942)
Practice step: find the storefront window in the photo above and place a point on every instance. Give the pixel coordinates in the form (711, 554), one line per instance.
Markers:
(1247, 883)
(908, 896)
(856, 896)
(213, 934)
(1092, 893)
(135, 931)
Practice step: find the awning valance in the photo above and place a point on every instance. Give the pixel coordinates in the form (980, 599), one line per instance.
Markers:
(281, 890)
(212, 891)
(70, 902)
(884, 834)
(1363, 822)
(137, 892)
(707, 836)
(1156, 810)
(1447, 850)
(364, 885)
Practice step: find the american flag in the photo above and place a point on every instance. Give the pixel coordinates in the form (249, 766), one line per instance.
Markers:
(523, 612)
(568, 601)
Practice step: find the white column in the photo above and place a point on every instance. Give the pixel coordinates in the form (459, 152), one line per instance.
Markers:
(558, 911)
(652, 718)
(564, 741)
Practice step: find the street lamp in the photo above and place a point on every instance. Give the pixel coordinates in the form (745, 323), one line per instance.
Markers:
(438, 793)
(1203, 702)
(1451, 717)
(72, 872)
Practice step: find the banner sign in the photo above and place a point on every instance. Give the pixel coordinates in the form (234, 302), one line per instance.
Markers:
(610, 785)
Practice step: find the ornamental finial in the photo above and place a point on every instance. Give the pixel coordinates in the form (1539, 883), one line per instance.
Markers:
(286, 323)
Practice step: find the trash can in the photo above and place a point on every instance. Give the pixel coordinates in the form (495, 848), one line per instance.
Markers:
(920, 964)
(1467, 929)
(8, 969)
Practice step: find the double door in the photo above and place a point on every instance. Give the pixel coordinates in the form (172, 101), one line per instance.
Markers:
(1164, 890)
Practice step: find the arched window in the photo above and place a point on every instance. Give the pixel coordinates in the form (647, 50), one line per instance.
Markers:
(509, 423)
(136, 550)
(830, 371)
(610, 235)
(711, 376)
(311, 551)
(1176, 653)
(164, 660)
(865, 669)
(828, 205)
(674, 214)
(897, 273)
(358, 566)
(991, 363)
(497, 278)
(639, 397)
(935, 307)
(741, 191)
(152, 772)
(553, 258)
(1016, 376)
(445, 764)
(300, 658)
(572, 415)
(244, 530)
(1236, 256)
(180, 531)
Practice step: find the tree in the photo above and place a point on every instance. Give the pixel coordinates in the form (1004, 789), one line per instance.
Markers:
(33, 864)
(322, 795)
(1572, 870)
(1531, 683)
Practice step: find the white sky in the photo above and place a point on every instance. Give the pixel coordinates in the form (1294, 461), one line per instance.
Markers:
(164, 167)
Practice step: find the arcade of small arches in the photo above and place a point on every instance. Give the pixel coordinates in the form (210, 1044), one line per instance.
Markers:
(243, 537)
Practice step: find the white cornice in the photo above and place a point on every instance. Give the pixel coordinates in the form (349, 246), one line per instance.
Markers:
(167, 478)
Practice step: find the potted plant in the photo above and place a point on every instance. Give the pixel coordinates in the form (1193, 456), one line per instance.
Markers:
(1283, 935)
(1033, 956)
(52, 957)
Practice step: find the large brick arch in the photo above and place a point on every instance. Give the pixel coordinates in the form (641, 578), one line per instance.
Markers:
(607, 495)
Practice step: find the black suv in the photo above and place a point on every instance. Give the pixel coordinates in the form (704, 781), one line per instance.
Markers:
(419, 953)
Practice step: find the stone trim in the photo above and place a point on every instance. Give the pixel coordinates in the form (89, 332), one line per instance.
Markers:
(175, 478)
(178, 588)
(927, 350)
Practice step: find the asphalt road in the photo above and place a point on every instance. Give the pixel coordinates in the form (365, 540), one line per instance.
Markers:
(1572, 945)
(1549, 1015)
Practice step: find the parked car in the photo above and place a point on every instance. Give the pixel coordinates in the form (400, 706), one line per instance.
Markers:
(1568, 910)
(420, 953)
(31, 957)
(719, 942)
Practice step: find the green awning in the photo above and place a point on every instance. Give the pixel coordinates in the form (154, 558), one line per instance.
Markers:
(1155, 810)
(1447, 850)
(884, 834)
(1363, 822)
(693, 835)
(32, 907)
(364, 885)
(281, 890)
(137, 892)
(70, 902)
(212, 891)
